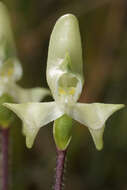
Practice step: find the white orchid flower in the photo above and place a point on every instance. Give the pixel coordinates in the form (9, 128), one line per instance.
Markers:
(11, 71)
(65, 79)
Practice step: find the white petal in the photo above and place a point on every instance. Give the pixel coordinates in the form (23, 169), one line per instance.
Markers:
(22, 95)
(34, 116)
(36, 94)
(65, 56)
(93, 115)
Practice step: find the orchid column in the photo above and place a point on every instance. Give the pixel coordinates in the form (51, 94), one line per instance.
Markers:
(10, 73)
(65, 79)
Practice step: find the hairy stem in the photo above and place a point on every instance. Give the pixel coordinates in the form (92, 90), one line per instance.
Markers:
(61, 154)
(5, 135)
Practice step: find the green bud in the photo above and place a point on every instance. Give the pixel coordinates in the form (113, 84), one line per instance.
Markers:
(62, 131)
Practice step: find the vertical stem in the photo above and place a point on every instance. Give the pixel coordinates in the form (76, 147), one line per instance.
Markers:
(5, 136)
(61, 154)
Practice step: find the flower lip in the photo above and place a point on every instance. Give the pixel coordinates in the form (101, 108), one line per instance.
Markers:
(68, 88)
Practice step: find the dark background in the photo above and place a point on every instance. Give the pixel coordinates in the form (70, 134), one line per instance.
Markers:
(103, 25)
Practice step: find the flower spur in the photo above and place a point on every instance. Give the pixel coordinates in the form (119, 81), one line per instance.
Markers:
(65, 79)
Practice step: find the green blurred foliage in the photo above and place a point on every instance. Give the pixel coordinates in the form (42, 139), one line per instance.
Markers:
(6, 117)
(104, 33)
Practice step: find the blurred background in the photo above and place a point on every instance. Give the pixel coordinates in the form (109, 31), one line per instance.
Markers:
(103, 25)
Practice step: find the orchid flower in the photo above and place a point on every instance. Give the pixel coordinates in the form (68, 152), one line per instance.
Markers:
(11, 72)
(65, 79)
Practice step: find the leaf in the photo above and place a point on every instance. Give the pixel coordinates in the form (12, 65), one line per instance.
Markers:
(34, 116)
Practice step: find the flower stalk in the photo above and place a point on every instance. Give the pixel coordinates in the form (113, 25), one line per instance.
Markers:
(5, 143)
(61, 155)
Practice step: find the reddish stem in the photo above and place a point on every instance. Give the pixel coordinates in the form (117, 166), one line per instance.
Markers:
(5, 136)
(61, 154)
